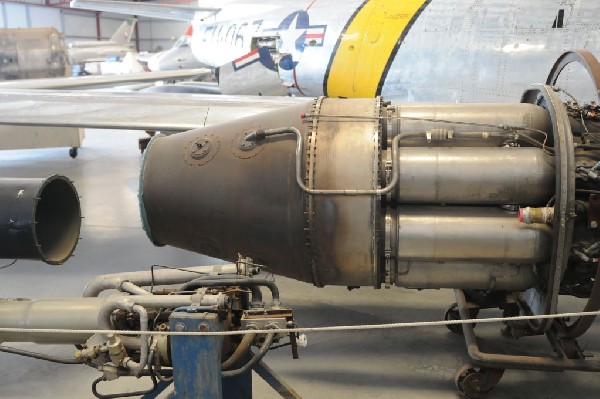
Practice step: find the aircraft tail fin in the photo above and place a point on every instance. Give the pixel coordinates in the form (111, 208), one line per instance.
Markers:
(125, 31)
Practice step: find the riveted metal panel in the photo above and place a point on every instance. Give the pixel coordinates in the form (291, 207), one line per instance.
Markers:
(344, 231)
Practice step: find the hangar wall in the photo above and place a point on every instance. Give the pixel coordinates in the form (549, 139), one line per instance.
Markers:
(82, 25)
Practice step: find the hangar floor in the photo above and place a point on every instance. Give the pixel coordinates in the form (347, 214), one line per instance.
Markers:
(375, 364)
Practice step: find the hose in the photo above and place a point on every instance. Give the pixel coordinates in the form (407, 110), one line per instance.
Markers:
(39, 356)
(255, 359)
(239, 352)
(124, 394)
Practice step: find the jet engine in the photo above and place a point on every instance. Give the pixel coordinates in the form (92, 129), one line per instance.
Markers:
(499, 201)
(360, 192)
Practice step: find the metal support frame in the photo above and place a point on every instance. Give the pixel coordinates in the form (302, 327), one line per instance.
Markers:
(196, 364)
(545, 300)
(560, 362)
(197, 361)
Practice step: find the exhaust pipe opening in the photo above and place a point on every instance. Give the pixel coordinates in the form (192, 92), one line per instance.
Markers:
(57, 218)
(40, 219)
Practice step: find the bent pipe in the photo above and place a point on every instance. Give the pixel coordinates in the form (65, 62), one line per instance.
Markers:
(248, 282)
(253, 361)
(40, 219)
(239, 352)
(127, 304)
(144, 278)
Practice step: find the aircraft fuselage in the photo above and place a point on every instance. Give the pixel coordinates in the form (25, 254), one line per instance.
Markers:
(416, 50)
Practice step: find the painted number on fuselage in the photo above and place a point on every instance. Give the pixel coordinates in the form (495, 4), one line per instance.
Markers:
(231, 34)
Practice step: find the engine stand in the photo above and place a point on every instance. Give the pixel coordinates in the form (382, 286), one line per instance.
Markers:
(478, 380)
(197, 364)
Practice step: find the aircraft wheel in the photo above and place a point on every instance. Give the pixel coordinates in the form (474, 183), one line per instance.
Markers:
(469, 383)
(73, 152)
(453, 314)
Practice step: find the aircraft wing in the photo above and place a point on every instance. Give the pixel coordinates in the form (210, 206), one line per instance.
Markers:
(153, 10)
(135, 111)
(82, 82)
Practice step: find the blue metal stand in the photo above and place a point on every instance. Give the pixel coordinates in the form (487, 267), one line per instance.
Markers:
(197, 361)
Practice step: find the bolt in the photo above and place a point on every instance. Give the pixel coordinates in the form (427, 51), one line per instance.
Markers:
(203, 327)
(179, 327)
(594, 225)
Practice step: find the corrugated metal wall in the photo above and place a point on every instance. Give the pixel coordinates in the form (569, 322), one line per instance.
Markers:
(155, 32)
(81, 25)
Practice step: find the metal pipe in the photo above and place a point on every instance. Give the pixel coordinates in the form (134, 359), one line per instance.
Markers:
(173, 301)
(465, 275)
(462, 118)
(200, 282)
(127, 304)
(82, 314)
(129, 287)
(112, 303)
(161, 277)
(60, 313)
(518, 362)
(468, 175)
(468, 233)
(259, 134)
(136, 367)
(40, 356)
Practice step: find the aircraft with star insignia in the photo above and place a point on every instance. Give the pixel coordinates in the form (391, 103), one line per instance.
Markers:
(411, 50)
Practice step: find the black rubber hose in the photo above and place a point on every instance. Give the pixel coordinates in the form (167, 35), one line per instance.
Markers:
(588, 146)
(239, 352)
(255, 359)
(40, 356)
(123, 394)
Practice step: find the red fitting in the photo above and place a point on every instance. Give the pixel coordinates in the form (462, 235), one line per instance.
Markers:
(302, 115)
(520, 215)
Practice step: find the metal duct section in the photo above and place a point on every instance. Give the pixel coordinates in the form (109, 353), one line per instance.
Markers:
(60, 313)
(40, 219)
(471, 175)
(354, 192)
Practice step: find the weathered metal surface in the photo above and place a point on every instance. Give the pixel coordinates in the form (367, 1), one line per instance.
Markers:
(225, 202)
(474, 176)
(519, 362)
(62, 313)
(275, 381)
(469, 233)
(583, 57)
(41, 219)
(546, 302)
(27, 53)
(197, 360)
(229, 205)
(139, 111)
(344, 228)
(460, 118)
(464, 275)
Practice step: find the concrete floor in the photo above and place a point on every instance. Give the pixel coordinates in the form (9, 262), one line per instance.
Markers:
(414, 363)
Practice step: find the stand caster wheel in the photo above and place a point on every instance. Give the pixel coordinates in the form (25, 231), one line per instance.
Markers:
(476, 384)
(73, 152)
(453, 314)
